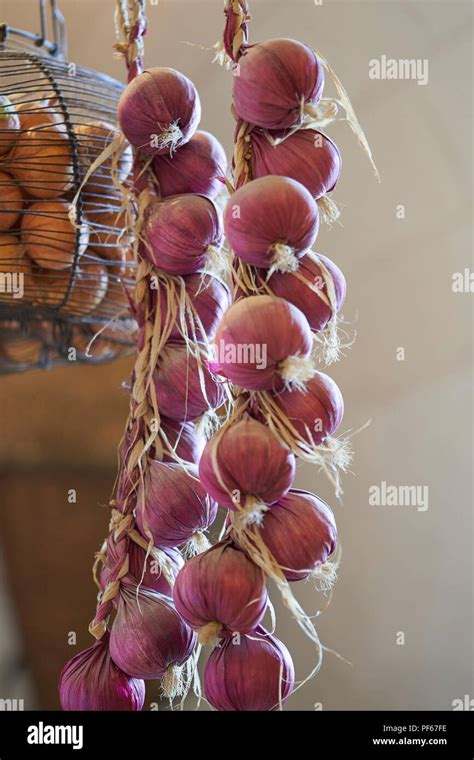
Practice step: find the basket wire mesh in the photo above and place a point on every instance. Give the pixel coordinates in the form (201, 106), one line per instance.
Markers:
(59, 284)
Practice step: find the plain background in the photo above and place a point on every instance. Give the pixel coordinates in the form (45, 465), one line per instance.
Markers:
(403, 570)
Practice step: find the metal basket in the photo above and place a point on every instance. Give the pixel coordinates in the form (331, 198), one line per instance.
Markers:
(59, 284)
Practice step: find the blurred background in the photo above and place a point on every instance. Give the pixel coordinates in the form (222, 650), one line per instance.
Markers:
(404, 571)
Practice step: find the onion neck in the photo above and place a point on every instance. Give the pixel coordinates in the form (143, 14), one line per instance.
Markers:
(283, 257)
(296, 371)
(210, 633)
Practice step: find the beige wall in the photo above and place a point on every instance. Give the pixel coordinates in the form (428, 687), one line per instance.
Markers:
(403, 570)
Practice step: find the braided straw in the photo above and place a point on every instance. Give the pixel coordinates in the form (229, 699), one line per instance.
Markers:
(130, 27)
(146, 439)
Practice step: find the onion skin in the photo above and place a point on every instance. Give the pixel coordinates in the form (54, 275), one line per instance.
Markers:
(152, 579)
(178, 389)
(148, 635)
(185, 440)
(153, 102)
(179, 232)
(49, 236)
(288, 286)
(210, 298)
(92, 682)
(173, 505)
(251, 461)
(273, 79)
(221, 585)
(276, 326)
(269, 211)
(300, 532)
(320, 405)
(307, 156)
(11, 201)
(250, 675)
(198, 167)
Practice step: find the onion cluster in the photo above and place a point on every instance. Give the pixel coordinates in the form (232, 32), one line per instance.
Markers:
(263, 346)
(160, 505)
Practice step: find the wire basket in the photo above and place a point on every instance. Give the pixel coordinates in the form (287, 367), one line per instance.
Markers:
(60, 284)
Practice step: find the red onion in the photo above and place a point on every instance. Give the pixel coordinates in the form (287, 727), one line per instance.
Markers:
(274, 82)
(221, 592)
(271, 222)
(153, 578)
(253, 674)
(148, 636)
(181, 232)
(209, 298)
(173, 505)
(315, 412)
(263, 343)
(246, 465)
(305, 294)
(159, 111)
(92, 681)
(178, 385)
(186, 442)
(198, 167)
(306, 155)
(300, 532)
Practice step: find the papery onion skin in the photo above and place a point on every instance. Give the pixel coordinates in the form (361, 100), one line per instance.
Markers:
(145, 574)
(270, 325)
(315, 412)
(148, 635)
(250, 675)
(307, 156)
(184, 439)
(274, 79)
(250, 461)
(41, 161)
(9, 125)
(300, 532)
(221, 585)
(288, 286)
(179, 232)
(173, 505)
(177, 385)
(152, 103)
(269, 211)
(198, 167)
(210, 299)
(91, 681)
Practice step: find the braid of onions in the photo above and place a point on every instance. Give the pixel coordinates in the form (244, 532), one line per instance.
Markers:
(286, 296)
(159, 507)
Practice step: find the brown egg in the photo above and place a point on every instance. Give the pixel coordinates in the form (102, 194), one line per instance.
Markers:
(49, 236)
(11, 201)
(92, 139)
(88, 288)
(42, 162)
(9, 125)
(16, 279)
(40, 113)
(20, 350)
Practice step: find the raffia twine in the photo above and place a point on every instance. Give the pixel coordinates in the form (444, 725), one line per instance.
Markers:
(156, 331)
